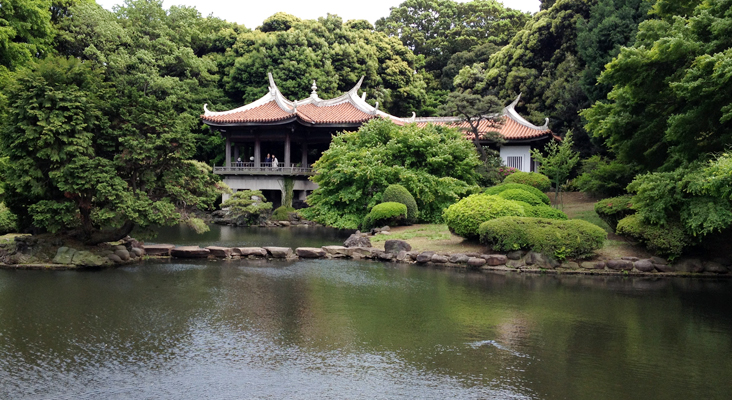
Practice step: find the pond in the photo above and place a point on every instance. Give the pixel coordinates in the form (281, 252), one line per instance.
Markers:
(333, 329)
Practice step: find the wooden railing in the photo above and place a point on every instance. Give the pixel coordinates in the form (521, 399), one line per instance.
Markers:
(248, 168)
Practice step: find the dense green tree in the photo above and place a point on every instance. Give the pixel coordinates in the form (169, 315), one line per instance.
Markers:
(557, 162)
(435, 164)
(670, 103)
(333, 54)
(439, 29)
(25, 32)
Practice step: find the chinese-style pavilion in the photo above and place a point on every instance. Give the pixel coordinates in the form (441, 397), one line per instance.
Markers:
(297, 132)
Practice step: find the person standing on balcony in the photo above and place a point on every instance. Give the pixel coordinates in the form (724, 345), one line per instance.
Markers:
(274, 162)
(267, 160)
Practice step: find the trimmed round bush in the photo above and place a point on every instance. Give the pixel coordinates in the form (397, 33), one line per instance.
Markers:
(535, 179)
(282, 213)
(389, 213)
(561, 239)
(543, 211)
(464, 217)
(614, 209)
(669, 240)
(399, 194)
(494, 190)
(521, 195)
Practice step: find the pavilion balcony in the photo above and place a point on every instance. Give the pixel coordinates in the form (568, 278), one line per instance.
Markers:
(248, 168)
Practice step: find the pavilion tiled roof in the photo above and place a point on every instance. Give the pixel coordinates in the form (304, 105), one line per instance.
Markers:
(349, 109)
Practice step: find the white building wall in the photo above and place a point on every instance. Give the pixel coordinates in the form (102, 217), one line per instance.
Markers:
(510, 154)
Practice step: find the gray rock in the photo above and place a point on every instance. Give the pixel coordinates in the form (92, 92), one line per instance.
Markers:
(123, 254)
(252, 251)
(715, 267)
(64, 255)
(658, 260)
(385, 228)
(138, 252)
(187, 252)
(570, 265)
(458, 258)
(337, 251)
(495, 259)
(158, 249)
(220, 252)
(413, 255)
(592, 265)
(284, 223)
(363, 252)
(620, 265)
(357, 240)
(310, 252)
(385, 256)
(515, 255)
(403, 256)
(395, 246)
(538, 260)
(279, 252)
(425, 256)
(644, 266)
(664, 268)
(476, 261)
(114, 258)
(689, 265)
(515, 264)
(633, 259)
(436, 258)
(120, 247)
(87, 259)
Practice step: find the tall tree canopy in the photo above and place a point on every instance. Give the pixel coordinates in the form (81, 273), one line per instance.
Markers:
(671, 101)
(328, 51)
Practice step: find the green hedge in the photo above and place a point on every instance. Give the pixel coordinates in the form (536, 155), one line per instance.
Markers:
(282, 213)
(464, 217)
(494, 190)
(561, 239)
(389, 213)
(542, 211)
(668, 240)
(399, 194)
(8, 220)
(521, 195)
(614, 209)
(535, 179)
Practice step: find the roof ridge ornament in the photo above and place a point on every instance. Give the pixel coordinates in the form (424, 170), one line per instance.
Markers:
(515, 102)
(315, 89)
(205, 108)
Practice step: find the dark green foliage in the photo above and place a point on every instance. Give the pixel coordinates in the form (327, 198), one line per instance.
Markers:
(25, 32)
(535, 179)
(249, 204)
(464, 217)
(435, 164)
(494, 190)
(543, 211)
(521, 195)
(670, 103)
(8, 220)
(614, 209)
(282, 213)
(399, 194)
(572, 238)
(335, 55)
(668, 240)
(389, 213)
(603, 178)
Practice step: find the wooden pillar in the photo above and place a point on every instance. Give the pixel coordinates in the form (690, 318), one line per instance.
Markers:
(287, 149)
(257, 149)
(228, 152)
(304, 155)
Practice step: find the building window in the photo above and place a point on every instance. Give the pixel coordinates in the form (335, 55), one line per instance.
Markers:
(515, 162)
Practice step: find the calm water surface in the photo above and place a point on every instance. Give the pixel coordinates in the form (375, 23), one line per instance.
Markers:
(358, 330)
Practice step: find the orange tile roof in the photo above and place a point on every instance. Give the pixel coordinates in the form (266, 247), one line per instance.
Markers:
(509, 129)
(343, 113)
(268, 112)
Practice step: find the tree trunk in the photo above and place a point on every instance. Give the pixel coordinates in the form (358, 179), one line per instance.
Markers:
(110, 235)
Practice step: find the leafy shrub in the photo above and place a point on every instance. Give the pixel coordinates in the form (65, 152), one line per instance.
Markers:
(543, 211)
(248, 205)
(572, 238)
(535, 179)
(669, 240)
(464, 217)
(614, 209)
(8, 221)
(399, 194)
(494, 190)
(389, 213)
(282, 213)
(521, 195)
(600, 177)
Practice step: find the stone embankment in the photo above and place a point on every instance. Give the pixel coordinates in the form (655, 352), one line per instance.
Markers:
(358, 247)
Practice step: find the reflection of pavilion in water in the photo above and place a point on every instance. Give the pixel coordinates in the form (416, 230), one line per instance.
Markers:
(297, 133)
